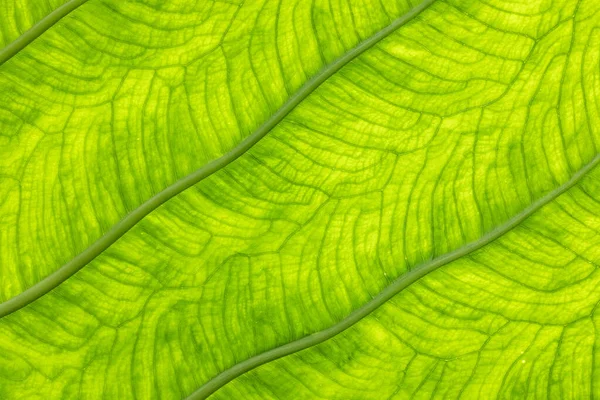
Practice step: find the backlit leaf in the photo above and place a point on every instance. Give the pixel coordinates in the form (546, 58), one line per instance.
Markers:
(290, 199)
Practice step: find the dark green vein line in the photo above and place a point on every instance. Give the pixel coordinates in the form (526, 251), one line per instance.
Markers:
(119, 229)
(386, 294)
(36, 30)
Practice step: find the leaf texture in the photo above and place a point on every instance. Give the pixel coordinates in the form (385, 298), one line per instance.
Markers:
(449, 167)
(18, 16)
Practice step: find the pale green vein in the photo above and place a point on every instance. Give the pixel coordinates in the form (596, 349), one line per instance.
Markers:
(35, 31)
(119, 229)
(386, 294)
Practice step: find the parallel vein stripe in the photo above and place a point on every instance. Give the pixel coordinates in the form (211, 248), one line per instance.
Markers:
(131, 219)
(36, 30)
(386, 294)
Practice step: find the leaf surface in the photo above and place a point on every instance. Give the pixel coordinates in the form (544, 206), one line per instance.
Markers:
(416, 219)
(18, 16)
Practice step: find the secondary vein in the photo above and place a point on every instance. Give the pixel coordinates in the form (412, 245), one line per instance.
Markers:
(36, 30)
(386, 294)
(130, 220)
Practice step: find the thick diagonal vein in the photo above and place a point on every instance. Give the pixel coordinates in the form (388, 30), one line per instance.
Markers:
(131, 219)
(386, 294)
(36, 30)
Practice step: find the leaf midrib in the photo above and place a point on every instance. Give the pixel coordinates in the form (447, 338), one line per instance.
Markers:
(119, 229)
(14, 47)
(388, 292)
(130, 220)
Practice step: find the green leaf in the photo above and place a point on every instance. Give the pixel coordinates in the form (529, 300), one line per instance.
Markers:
(354, 199)
(18, 16)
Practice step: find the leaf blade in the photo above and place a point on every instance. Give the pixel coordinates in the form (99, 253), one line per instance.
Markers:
(276, 244)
